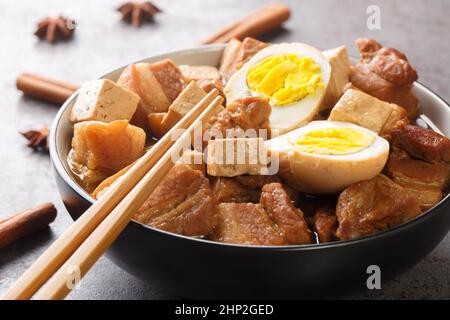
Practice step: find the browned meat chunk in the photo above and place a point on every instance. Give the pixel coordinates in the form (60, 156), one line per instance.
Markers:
(240, 116)
(256, 182)
(407, 171)
(278, 205)
(422, 143)
(424, 181)
(170, 78)
(183, 203)
(236, 54)
(371, 206)
(230, 190)
(385, 73)
(245, 188)
(246, 223)
(209, 85)
(325, 223)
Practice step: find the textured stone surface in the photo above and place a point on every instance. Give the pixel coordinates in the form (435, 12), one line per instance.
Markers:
(103, 43)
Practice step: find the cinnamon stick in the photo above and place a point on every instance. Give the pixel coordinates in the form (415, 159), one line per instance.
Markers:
(27, 222)
(266, 19)
(44, 88)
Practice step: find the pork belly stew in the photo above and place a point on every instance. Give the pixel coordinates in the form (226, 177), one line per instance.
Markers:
(305, 149)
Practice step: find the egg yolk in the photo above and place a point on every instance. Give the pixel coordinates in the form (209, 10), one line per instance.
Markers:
(335, 141)
(285, 78)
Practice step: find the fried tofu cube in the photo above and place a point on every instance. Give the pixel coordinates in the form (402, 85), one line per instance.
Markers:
(236, 156)
(187, 100)
(246, 223)
(154, 121)
(340, 73)
(104, 100)
(107, 146)
(193, 159)
(196, 73)
(398, 117)
(362, 109)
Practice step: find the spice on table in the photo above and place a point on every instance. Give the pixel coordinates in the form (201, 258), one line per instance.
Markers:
(138, 12)
(44, 88)
(37, 139)
(26, 222)
(54, 29)
(265, 19)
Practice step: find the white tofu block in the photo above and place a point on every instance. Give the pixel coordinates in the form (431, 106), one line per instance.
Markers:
(362, 109)
(104, 100)
(186, 100)
(237, 156)
(340, 72)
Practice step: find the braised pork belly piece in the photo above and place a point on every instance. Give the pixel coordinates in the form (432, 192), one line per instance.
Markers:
(230, 190)
(183, 203)
(425, 181)
(289, 219)
(246, 223)
(245, 188)
(325, 223)
(274, 221)
(236, 54)
(157, 84)
(422, 143)
(240, 116)
(371, 206)
(386, 74)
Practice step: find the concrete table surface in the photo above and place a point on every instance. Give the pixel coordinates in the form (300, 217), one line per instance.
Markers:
(103, 42)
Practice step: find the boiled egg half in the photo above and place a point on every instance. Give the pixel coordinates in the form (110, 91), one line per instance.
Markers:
(292, 76)
(325, 157)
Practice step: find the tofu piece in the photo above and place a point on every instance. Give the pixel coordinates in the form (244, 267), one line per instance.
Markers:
(340, 73)
(246, 223)
(196, 73)
(187, 100)
(107, 146)
(154, 121)
(104, 100)
(362, 109)
(193, 159)
(236, 156)
(399, 116)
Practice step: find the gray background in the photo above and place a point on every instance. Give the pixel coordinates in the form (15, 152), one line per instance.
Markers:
(102, 43)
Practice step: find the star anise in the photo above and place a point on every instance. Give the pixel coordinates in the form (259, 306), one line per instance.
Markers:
(54, 29)
(37, 139)
(137, 12)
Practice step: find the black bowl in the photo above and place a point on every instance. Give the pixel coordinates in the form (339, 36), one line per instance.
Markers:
(198, 268)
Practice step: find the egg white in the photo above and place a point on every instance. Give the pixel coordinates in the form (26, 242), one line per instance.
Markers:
(327, 174)
(287, 117)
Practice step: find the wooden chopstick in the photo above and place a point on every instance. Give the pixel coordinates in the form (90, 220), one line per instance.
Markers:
(110, 228)
(55, 256)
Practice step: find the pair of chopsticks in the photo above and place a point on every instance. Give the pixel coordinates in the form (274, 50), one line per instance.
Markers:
(72, 255)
